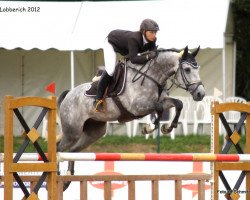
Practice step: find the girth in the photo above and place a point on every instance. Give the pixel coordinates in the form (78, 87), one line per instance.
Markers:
(126, 115)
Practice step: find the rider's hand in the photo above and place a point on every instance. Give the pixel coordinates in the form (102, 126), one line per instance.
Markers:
(151, 55)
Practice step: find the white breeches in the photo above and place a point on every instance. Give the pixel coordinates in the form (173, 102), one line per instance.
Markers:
(109, 57)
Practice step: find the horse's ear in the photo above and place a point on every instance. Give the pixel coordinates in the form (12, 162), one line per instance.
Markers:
(180, 54)
(196, 52)
(185, 53)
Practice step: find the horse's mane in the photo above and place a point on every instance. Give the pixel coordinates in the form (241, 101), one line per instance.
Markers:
(164, 55)
(167, 55)
(170, 50)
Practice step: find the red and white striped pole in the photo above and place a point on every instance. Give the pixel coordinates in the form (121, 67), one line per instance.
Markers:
(192, 157)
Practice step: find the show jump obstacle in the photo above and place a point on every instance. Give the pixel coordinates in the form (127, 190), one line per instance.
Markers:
(233, 138)
(11, 165)
(220, 156)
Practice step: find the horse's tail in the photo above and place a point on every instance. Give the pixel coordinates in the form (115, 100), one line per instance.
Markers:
(59, 101)
(61, 97)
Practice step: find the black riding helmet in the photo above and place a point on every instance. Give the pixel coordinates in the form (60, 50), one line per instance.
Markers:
(149, 25)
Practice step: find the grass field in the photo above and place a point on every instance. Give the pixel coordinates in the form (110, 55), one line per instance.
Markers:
(124, 144)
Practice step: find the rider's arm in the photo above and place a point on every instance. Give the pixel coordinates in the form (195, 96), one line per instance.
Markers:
(140, 58)
(134, 55)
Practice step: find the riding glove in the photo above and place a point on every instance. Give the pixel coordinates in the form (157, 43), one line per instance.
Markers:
(151, 55)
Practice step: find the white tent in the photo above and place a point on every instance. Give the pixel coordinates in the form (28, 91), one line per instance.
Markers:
(83, 25)
(54, 40)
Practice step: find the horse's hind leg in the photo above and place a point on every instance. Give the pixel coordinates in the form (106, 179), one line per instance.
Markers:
(70, 171)
(92, 131)
(69, 137)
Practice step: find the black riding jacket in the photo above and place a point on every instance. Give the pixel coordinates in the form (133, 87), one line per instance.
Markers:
(129, 44)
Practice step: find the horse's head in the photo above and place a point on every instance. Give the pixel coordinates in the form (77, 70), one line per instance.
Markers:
(187, 74)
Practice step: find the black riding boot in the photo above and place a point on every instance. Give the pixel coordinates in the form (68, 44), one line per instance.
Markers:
(103, 84)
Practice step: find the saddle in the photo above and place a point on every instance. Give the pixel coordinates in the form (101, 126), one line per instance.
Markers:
(116, 85)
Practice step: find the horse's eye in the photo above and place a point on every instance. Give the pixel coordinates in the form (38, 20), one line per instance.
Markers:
(187, 70)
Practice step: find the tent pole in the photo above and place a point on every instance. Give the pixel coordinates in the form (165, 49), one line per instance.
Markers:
(224, 69)
(72, 69)
(234, 68)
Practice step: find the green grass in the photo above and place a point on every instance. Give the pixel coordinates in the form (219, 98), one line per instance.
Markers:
(18, 141)
(181, 144)
(123, 144)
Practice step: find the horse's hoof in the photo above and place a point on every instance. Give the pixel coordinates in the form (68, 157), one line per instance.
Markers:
(66, 185)
(166, 130)
(163, 130)
(148, 128)
(144, 131)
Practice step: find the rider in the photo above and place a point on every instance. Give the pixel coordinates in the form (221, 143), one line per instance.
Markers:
(129, 44)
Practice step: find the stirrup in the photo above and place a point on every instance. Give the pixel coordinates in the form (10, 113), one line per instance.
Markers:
(100, 106)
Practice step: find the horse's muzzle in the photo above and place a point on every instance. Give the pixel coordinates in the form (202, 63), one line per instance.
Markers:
(197, 91)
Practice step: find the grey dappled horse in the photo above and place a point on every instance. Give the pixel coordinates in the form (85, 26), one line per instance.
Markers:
(144, 93)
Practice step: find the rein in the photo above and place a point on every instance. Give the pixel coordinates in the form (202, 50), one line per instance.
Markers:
(186, 86)
(160, 87)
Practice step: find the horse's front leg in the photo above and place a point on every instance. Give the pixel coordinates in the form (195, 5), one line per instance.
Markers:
(151, 127)
(177, 104)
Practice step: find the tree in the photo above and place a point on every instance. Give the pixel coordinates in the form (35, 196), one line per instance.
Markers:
(241, 11)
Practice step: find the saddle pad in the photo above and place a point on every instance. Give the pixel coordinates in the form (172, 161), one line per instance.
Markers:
(116, 85)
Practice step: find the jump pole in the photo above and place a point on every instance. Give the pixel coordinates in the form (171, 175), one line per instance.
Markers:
(183, 157)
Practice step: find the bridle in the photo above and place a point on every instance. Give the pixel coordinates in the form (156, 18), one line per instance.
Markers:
(187, 84)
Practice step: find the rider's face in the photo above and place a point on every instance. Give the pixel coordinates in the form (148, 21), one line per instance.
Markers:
(151, 35)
